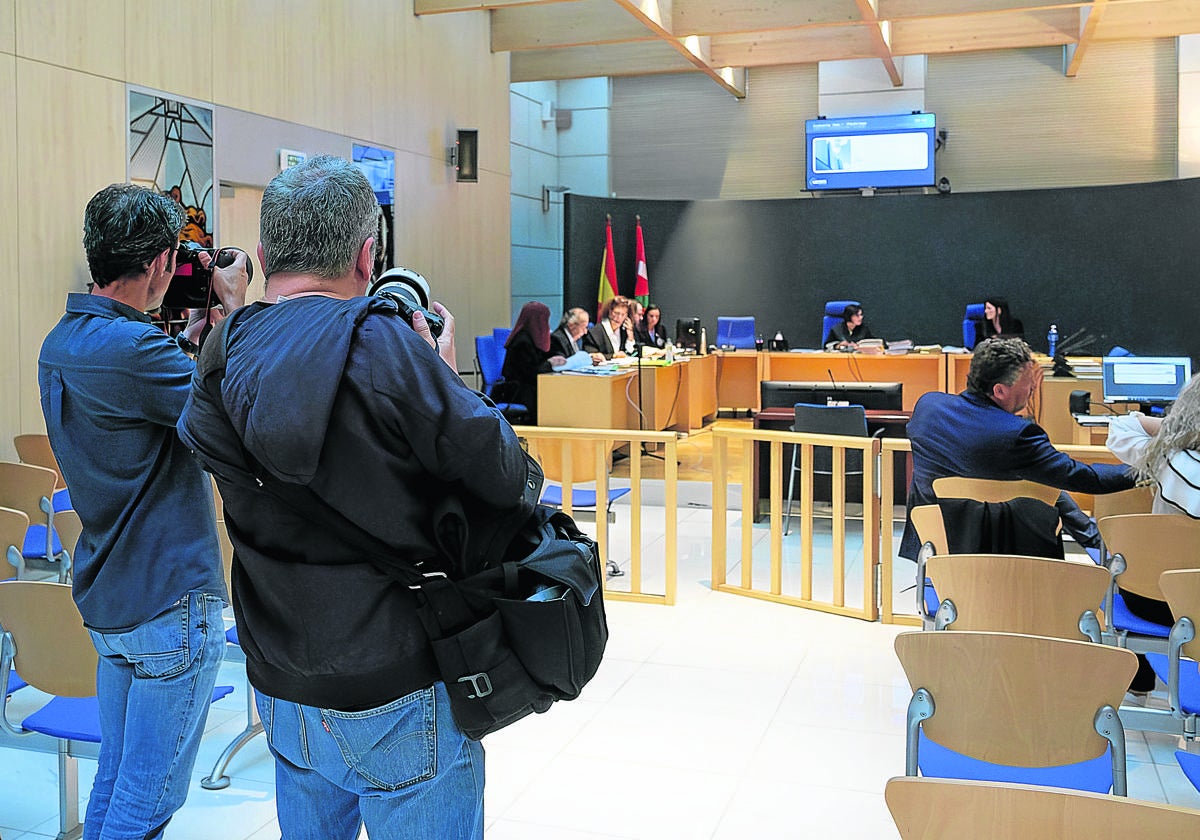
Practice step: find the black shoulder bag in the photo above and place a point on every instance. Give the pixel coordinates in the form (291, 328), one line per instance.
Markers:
(517, 624)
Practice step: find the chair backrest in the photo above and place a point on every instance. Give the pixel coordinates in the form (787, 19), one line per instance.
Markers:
(973, 325)
(950, 809)
(1016, 594)
(489, 361)
(1005, 698)
(833, 317)
(23, 486)
(1181, 588)
(35, 449)
(13, 525)
(848, 420)
(500, 334)
(931, 528)
(1151, 543)
(54, 652)
(1135, 500)
(69, 528)
(993, 490)
(736, 331)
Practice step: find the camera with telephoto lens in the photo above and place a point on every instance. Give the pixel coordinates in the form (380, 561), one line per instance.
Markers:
(410, 292)
(191, 287)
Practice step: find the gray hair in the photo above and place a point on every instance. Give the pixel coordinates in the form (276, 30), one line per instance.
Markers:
(997, 361)
(315, 218)
(574, 316)
(125, 227)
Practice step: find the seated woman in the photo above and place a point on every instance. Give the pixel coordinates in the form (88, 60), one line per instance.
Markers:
(652, 332)
(1165, 451)
(613, 336)
(998, 321)
(852, 330)
(527, 353)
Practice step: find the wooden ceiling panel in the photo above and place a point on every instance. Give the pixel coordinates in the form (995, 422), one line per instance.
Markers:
(800, 46)
(900, 9)
(564, 25)
(1006, 30)
(1154, 19)
(712, 17)
(600, 60)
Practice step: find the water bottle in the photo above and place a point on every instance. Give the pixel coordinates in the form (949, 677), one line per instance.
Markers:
(758, 343)
(703, 351)
(1052, 339)
(670, 355)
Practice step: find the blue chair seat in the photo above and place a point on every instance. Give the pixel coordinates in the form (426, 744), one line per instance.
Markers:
(1189, 763)
(14, 683)
(553, 495)
(35, 542)
(78, 718)
(62, 500)
(231, 636)
(1123, 619)
(1189, 680)
(932, 602)
(938, 762)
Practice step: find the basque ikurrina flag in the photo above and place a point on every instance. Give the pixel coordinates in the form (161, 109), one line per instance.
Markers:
(641, 291)
(608, 272)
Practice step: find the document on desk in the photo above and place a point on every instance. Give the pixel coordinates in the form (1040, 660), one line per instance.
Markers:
(575, 362)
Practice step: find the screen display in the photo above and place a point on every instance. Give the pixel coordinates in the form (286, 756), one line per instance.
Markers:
(1145, 379)
(858, 152)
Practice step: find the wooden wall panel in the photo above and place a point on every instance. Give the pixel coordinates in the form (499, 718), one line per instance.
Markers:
(87, 36)
(71, 142)
(10, 292)
(253, 55)
(239, 228)
(171, 46)
(1016, 122)
(8, 32)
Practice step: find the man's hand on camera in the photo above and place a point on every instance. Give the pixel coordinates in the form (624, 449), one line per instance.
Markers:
(444, 345)
(229, 283)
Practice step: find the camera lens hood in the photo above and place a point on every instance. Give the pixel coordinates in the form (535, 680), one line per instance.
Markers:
(407, 277)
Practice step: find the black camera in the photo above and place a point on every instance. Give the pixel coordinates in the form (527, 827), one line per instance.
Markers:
(191, 287)
(410, 292)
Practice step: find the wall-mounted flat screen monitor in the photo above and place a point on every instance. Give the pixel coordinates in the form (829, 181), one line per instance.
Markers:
(881, 396)
(851, 153)
(1145, 379)
(687, 334)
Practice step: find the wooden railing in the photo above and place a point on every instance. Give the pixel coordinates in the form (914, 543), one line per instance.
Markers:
(574, 457)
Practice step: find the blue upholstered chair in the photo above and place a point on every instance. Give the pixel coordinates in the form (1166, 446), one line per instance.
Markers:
(489, 362)
(833, 317)
(44, 636)
(30, 489)
(736, 331)
(500, 334)
(1006, 707)
(973, 325)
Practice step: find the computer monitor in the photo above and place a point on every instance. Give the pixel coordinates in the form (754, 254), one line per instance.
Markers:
(687, 334)
(1145, 379)
(883, 396)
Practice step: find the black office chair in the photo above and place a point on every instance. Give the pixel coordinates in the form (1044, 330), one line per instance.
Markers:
(825, 420)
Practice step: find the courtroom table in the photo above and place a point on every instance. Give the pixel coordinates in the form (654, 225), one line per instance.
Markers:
(891, 423)
(918, 372)
(681, 396)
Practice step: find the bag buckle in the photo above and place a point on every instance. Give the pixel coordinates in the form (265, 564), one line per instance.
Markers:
(481, 684)
(428, 576)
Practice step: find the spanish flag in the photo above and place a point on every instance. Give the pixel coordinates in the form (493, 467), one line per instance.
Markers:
(608, 272)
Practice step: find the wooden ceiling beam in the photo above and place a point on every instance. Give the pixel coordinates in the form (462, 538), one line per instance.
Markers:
(881, 38)
(796, 46)
(437, 7)
(1018, 30)
(1089, 19)
(565, 25)
(713, 17)
(656, 16)
(1153, 19)
(637, 59)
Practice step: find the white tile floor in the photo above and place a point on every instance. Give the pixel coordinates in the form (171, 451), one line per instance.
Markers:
(721, 717)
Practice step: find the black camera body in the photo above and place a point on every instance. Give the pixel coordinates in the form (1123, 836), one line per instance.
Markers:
(410, 292)
(191, 287)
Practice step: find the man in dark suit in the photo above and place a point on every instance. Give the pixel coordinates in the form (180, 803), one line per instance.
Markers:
(977, 434)
(566, 340)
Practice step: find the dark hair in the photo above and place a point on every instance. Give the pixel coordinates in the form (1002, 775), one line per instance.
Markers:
(611, 303)
(125, 227)
(1006, 318)
(653, 306)
(997, 361)
(850, 311)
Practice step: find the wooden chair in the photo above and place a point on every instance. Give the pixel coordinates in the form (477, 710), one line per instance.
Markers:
(13, 526)
(931, 527)
(949, 809)
(1014, 708)
(1143, 546)
(1015, 594)
(35, 449)
(30, 489)
(1178, 668)
(1135, 500)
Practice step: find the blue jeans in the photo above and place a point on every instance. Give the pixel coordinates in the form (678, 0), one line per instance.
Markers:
(404, 769)
(155, 685)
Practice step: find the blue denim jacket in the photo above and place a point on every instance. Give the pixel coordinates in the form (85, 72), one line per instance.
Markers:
(112, 387)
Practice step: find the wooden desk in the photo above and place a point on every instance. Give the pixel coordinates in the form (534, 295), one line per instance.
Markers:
(918, 372)
(681, 396)
(738, 375)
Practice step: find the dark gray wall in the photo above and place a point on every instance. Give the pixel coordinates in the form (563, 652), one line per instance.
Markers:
(1118, 261)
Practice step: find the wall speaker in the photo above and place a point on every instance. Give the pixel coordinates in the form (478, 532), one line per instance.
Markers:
(464, 156)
